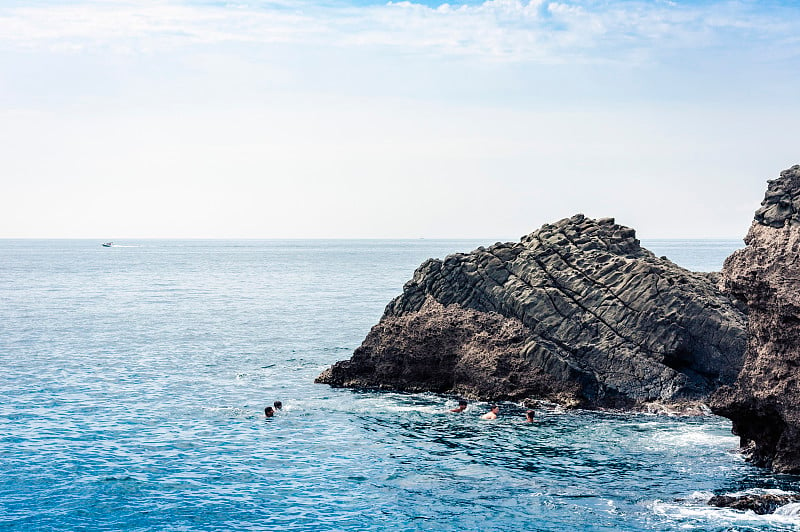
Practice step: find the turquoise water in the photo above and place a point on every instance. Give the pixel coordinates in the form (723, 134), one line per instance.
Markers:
(134, 379)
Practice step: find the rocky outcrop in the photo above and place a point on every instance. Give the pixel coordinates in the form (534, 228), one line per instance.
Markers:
(764, 403)
(577, 312)
(759, 504)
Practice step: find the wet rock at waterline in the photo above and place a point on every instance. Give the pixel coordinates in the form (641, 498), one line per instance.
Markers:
(764, 404)
(760, 504)
(576, 312)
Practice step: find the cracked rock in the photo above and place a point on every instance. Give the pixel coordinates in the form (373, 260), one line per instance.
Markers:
(577, 312)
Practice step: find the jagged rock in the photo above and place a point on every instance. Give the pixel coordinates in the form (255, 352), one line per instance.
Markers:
(764, 403)
(576, 312)
(760, 504)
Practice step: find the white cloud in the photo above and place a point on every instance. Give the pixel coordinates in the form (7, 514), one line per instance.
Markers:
(534, 30)
(309, 119)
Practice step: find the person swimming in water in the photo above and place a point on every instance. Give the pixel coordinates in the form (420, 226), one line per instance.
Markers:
(269, 412)
(462, 405)
(278, 405)
(529, 416)
(492, 413)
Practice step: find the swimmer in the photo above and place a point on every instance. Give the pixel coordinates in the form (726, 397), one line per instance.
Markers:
(462, 405)
(492, 413)
(269, 412)
(529, 416)
(278, 405)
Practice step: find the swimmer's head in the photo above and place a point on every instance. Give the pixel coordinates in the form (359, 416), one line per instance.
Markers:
(529, 415)
(278, 405)
(269, 412)
(462, 403)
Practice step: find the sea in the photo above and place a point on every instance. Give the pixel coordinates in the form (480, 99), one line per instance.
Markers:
(133, 382)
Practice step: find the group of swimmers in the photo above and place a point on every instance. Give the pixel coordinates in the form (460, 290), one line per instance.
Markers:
(270, 410)
(494, 410)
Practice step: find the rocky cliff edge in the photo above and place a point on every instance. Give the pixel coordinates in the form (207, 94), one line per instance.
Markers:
(764, 403)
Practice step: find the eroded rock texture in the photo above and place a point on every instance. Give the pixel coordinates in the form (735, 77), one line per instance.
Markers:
(577, 312)
(759, 504)
(764, 404)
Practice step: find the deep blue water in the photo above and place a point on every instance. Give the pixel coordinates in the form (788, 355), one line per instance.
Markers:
(133, 381)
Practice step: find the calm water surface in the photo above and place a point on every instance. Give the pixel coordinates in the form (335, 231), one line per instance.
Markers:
(134, 380)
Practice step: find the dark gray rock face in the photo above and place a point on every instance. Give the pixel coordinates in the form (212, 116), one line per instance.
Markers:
(760, 504)
(576, 312)
(781, 205)
(764, 403)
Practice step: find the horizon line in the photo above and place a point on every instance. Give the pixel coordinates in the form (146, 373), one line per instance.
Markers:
(495, 239)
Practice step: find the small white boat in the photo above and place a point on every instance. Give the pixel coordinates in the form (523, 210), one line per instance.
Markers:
(107, 244)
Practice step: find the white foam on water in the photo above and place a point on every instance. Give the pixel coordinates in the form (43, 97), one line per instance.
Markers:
(701, 496)
(760, 491)
(375, 403)
(719, 517)
(429, 409)
(693, 437)
(791, 510)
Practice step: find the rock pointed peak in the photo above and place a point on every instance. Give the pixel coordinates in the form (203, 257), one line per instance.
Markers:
(587, 234)
(781, 205)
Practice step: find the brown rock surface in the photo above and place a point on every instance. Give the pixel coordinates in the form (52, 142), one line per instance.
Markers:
(576, 312)
(764, 404)
(448, 349)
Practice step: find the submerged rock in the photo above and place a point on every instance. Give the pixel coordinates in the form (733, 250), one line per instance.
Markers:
(576, 312)
(760, 504)
(764, 403)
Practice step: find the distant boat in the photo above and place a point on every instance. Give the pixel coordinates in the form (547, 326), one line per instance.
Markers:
(107, 244)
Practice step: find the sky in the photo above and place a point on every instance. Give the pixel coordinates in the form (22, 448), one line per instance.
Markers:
(360, 119)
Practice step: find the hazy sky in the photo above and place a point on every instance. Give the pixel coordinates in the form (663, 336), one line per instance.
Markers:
(132, 119)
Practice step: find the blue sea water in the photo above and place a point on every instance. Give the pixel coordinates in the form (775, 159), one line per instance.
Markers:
(133, 381)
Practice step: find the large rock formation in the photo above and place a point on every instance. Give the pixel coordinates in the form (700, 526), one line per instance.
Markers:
(764, 404)
(577, 312)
